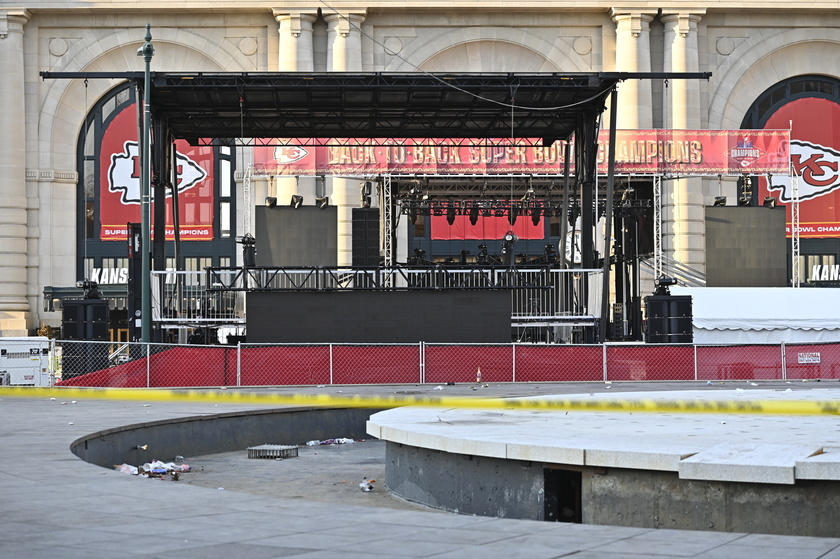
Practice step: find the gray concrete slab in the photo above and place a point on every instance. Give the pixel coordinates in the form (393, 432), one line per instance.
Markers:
(53, 504)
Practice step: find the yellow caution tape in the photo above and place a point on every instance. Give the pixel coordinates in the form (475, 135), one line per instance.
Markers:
(772, 407)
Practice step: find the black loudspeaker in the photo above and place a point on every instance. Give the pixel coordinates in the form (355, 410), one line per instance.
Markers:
(668, 319)
(135, 270)
(84, 319)
(365, 237)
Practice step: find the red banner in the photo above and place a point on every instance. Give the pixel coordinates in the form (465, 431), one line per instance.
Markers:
(683, 152)
(815, 157)
(488, 227)
(119, 184)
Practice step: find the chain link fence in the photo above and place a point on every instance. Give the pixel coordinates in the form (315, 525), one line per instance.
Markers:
(138, 365)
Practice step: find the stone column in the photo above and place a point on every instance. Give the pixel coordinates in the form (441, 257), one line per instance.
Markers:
(14, 307)
(295, 46)
(295, 55)
(632, 54)
(683, 228)
(344, 55)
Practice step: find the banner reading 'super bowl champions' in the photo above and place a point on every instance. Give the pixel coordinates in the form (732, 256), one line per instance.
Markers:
(119, 184)
(815, 158)
(662, 152)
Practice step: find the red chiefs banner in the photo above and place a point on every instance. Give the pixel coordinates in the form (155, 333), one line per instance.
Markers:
(694, 152)
(119, 184)
(815, 158)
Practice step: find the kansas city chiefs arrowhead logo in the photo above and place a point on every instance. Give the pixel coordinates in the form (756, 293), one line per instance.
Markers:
(124, 176)
(289, 154)
(818, 168)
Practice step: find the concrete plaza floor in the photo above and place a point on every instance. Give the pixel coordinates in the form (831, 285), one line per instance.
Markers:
(53, 504)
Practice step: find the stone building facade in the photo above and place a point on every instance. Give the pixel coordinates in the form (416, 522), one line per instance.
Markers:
(749, 47)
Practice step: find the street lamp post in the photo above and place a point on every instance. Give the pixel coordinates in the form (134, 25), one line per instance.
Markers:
(147, 51)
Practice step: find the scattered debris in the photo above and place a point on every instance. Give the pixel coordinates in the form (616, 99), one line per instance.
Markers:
(753, 384)
(330, 441)
(438, 387)
(478, 375)
(127, 469)
(366, 484)
(155, 469)
(141, 447)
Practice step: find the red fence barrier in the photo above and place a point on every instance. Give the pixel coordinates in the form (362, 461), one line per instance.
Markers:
(157, 366)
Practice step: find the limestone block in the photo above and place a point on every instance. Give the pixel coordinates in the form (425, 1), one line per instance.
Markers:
(747, 462)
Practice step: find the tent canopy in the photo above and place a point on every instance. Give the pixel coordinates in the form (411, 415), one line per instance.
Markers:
(763, 314)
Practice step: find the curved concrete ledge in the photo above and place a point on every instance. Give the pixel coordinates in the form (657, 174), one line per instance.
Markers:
(224, 432)
(752, 473)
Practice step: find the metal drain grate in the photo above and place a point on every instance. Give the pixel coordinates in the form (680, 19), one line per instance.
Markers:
(273, 451)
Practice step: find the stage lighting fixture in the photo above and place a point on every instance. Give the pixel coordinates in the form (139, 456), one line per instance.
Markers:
(744, 201)
(770, 202)
(720, 201)
(535, 215)
(271, 202)
(322, 202)
(473, 215)
(450, 214)
(514, 213)
(297, 201)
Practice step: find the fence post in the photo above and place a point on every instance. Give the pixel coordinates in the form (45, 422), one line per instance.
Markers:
(422, 350)
(331, 364)
(148, 366)
(604, 359)
(695, 361)
(783, 349)
(239, 363)
(513, 361)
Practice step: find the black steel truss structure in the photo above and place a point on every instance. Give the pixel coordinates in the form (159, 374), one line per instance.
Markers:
(264, 108)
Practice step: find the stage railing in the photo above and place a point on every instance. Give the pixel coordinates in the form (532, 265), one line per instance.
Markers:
(541, 298)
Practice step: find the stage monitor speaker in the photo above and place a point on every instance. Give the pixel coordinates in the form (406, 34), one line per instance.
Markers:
(365, 237)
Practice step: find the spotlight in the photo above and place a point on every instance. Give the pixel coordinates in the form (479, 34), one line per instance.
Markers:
(514, 213)
(297, 201)
(744, 201)
(473, 215)
(271, 202)
(662, 285)
(770, 202)
(535, 215)
(322, 202)
(450, 214)
(720, 201)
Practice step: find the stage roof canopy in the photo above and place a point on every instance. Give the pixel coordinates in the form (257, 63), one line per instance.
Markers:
(264, 105)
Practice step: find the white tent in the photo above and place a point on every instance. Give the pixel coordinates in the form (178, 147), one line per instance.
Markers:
(735, 315)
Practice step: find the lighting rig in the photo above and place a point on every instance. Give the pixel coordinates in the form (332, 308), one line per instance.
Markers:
(418, 203)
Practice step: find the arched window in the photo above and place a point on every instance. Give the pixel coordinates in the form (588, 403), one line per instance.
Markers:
(107, 165)
(786, 91)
